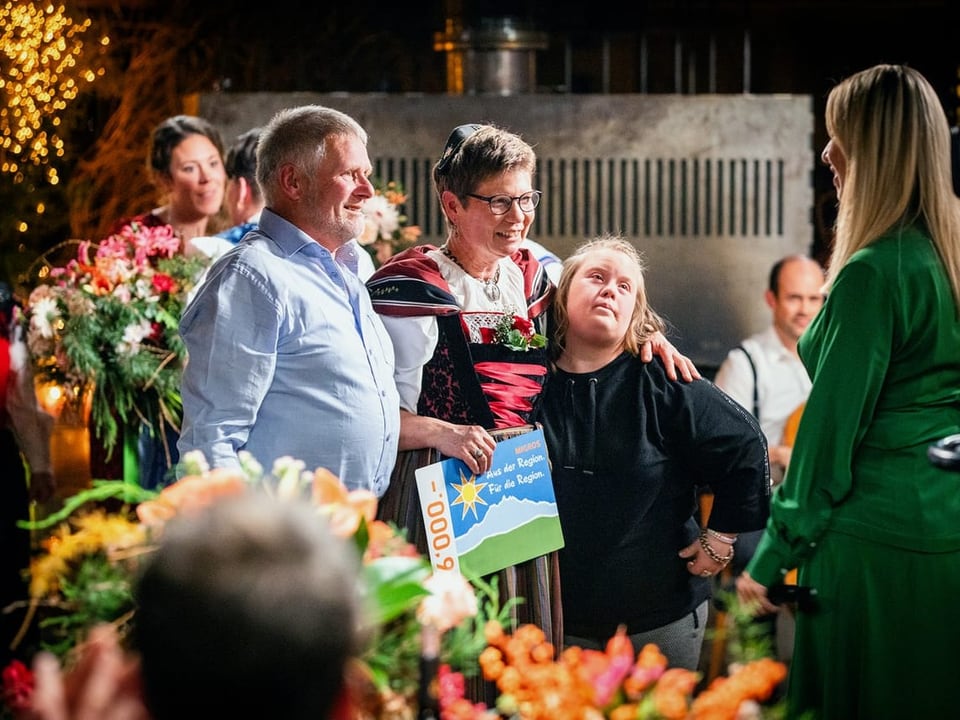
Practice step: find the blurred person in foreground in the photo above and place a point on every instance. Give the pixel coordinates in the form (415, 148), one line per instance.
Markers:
(286, 355)
(862, 512)
(248, 609)
(630, 449)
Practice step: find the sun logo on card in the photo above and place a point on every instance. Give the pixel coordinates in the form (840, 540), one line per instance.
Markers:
(468, 494)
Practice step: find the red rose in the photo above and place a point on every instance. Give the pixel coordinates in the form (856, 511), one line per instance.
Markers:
(523, 325)
(488, 335)
(17, 686)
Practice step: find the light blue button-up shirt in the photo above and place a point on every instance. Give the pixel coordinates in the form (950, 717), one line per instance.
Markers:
(286, 356)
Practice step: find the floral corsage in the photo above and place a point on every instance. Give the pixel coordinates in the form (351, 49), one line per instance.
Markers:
(514, 332)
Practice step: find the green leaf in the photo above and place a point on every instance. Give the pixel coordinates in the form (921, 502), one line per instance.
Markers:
(101, 490)
(397, 584)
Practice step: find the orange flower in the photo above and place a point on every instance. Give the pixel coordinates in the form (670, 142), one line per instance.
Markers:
(754, 681)
(191, 493)
(649, 667)
(343, 508)
(671, 694)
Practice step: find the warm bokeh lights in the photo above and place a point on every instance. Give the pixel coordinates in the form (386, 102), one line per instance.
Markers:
(44, 66)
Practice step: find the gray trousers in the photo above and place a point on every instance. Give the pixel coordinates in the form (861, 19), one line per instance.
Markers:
(681, 641)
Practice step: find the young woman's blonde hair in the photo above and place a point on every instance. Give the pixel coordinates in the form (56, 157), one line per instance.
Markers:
(643, 323)
(892, 129)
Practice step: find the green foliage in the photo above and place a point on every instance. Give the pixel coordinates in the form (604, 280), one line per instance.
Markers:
(466, 641)
(98, 591)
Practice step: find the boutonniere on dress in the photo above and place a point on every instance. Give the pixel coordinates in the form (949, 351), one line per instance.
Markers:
(514, 332)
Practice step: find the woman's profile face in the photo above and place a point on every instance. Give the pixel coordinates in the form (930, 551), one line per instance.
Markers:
(488, 235)
(196, 178)
(833, 157)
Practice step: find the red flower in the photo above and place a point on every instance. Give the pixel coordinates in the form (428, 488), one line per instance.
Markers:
(488, 335)
(17, 686)
(156, 333)
(164, 283)
(523, 325)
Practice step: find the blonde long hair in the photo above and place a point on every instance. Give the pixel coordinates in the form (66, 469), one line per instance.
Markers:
(643, 323)
(893, 132)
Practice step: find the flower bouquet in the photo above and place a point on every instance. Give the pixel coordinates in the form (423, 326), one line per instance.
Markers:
(109, 319)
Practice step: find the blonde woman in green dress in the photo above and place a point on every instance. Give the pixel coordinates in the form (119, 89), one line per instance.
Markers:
(869, 522)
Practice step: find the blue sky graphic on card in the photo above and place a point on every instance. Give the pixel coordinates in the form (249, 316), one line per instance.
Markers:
(500, 518)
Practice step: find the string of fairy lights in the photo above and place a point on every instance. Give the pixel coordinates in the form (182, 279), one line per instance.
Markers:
(44, 65)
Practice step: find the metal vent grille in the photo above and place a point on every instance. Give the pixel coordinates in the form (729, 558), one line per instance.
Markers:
(638, 197)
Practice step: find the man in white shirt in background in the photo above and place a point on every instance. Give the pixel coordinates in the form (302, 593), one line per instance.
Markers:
(781, 383)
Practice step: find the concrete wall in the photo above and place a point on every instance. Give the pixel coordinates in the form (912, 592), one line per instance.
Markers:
(712, 188)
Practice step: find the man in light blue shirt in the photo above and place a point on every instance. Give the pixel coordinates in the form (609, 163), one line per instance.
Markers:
(286, 355)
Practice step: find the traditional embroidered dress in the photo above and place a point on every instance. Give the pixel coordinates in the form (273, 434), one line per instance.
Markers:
(470, 382)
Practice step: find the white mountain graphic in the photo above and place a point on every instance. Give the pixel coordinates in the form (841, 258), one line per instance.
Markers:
(502, 518)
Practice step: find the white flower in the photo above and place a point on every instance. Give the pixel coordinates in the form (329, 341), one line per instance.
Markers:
(45, 314)
(133, 336)
(451, 601)
(384, 215)
(195, 463)
(291, 476)
(248, 463)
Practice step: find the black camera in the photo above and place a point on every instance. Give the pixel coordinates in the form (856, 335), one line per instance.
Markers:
(801, 596)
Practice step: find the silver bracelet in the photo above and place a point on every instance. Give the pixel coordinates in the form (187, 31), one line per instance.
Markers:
(722, 538)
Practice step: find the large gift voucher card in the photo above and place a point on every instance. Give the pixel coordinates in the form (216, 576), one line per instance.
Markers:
(483, 523)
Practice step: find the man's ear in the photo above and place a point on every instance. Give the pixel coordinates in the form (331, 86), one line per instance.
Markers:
(289, 179)
(245, 196)
(770, 298)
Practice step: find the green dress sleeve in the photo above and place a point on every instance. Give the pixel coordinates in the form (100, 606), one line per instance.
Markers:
(846, 350)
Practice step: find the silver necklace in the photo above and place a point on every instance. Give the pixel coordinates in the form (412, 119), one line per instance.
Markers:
(490, 287)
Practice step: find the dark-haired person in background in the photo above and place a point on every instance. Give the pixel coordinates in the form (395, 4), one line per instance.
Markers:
(242, 197)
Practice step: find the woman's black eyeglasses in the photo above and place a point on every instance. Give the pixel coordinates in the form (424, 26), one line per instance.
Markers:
(501, 204)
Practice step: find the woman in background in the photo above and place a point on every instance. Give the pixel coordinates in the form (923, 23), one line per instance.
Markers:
(186, 163)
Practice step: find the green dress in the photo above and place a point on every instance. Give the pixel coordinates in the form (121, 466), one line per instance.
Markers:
(869, 522)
